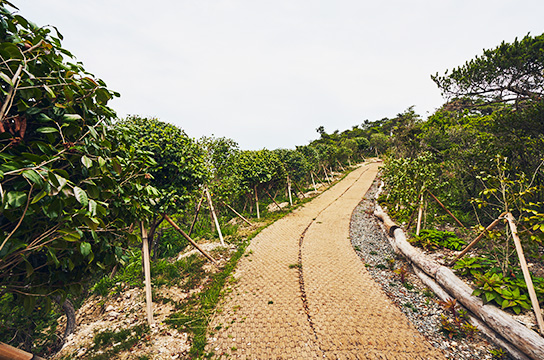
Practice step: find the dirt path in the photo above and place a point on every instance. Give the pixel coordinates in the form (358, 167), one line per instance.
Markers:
(304, 294)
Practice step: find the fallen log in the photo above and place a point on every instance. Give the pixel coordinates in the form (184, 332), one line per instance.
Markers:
(525, 340)
(480, 325)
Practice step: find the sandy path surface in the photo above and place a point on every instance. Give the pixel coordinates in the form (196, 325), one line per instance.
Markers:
(303, 293)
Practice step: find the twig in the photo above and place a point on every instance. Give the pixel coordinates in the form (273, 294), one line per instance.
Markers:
(20, 220)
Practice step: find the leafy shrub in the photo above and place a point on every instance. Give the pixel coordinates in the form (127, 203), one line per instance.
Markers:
(433, 239)
(473, 265)
(495, 287)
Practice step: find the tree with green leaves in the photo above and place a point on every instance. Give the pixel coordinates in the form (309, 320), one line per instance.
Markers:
(511, 72)
(179, 166)
(66, 191)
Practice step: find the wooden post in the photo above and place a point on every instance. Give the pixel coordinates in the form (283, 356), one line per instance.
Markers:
(196, 213)
(526, 273)
(300, 191)
(257, 202)
(326, 176)
(189, 239)
(443, 207)
(419, 215)
(8, 352)
(237, 214)
(289, 190)
(214, 216)
(271, 198)
(478, 238)
(313, 182)
(147, 272)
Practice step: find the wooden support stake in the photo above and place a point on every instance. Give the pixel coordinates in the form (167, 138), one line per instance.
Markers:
(313, 181)
(147, 273)
(443, 207)
(189, 239)
(326, 176)
(257, 203)
(271, 198)
(300, 191)
(289, 190)
(419, 215)
(8, 352)
(478, 238)
(526, 273)
(214, 216)
(237, 214)
(196, 213)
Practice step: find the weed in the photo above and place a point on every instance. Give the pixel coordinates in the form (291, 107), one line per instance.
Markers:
(293, 266)
(270, 302)
(457, 324)
(410, 306)
(109, 343)
(358, 248)
(373, 252)
(381, 266)
(402, 272)
(430, 239)
(498, 354)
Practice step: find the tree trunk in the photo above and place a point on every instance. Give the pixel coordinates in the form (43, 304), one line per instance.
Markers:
(147, 273)
(70, 313)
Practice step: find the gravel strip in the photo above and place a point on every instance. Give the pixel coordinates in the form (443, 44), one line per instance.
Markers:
(418, 304)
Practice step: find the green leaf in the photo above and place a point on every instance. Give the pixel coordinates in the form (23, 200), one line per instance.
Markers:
(86, 161)
(72, 117)
(49, 91)
(47, 130)
(16, 199)
(33, 176)
(92, 207)
(6, 78)
(85, 248)
(38, 197)
(81, 196)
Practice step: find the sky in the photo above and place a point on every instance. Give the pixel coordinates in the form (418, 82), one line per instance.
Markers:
(268, 73)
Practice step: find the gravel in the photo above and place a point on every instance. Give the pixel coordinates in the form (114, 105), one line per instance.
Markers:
(416, 301)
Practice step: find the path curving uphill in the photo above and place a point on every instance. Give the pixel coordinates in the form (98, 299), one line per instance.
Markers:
(303, 293)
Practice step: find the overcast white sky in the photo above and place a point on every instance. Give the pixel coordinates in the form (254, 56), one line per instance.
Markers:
(268, 73)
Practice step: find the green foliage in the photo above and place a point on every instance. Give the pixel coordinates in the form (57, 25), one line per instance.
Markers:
(510, 72)
(433, 239)
(34, 331)
(179, 160)
(406, 178)
(495, 287)
(67, 200)
(109, 343)
(473, 265)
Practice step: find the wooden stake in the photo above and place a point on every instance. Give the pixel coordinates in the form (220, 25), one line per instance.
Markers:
(147, 272)
(419, 215)
(326, 176)
(189, 239)
(478, 238)
(300, 191)
(196, 213)
(257, 203)
(8, 352)
(443, 207)
(526, 273)
(236, 212)
(270, 196)
(214, 216)
(289, 190)
(313, 182)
